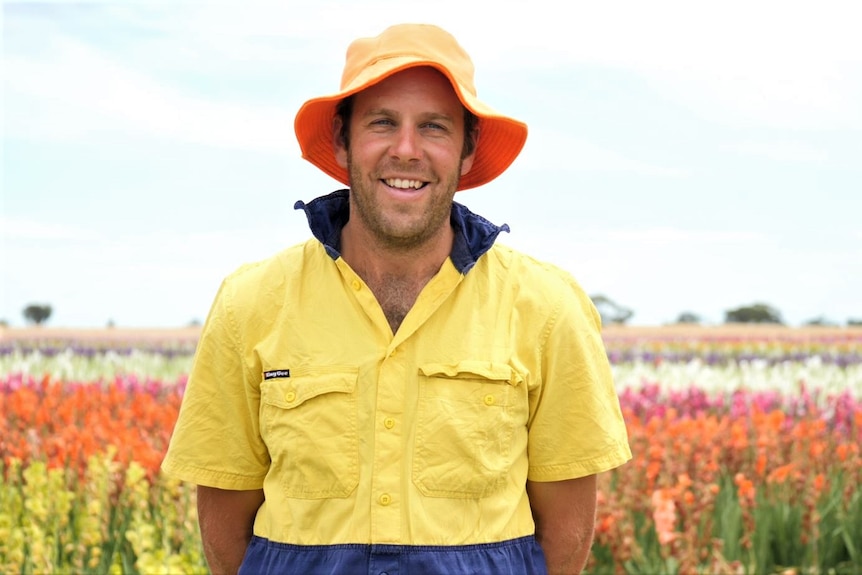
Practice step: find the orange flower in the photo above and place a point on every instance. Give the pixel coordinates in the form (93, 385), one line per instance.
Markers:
(605, 523)
(66, 423)
(664, 515)
(819, 483)
(817, 449)
(760, 465)
(684, 481)
(780, 474)
(775, 420)
(745, 487)
(653, 469)
(842, 451)
(739, 436)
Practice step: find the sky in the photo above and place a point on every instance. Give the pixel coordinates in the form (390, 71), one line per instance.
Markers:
(682, 156)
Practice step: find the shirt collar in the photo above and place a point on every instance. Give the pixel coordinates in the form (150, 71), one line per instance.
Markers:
(474, 235)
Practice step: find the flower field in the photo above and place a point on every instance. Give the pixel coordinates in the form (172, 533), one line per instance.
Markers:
(746, 454)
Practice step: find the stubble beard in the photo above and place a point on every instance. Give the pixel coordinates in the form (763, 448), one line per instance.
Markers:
(388, 232)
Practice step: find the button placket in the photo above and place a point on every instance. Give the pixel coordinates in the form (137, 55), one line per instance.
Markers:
(387, 476)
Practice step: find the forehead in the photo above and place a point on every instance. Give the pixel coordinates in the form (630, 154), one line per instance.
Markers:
(420, 86)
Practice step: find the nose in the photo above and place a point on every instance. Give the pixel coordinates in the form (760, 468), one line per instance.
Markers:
(406, 146)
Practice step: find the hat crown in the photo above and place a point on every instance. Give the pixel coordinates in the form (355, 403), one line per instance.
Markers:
(413, 44)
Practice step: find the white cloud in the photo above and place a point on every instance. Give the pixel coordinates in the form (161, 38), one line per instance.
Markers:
(660, 272)
(637, 246)
(550, 150)
(78, 90)
(17, 229)
(765, 63)
(751, 64)
(146, 279)
(677, 236)
(793, 151)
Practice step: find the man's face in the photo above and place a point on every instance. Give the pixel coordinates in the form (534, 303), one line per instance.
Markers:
(404, 158)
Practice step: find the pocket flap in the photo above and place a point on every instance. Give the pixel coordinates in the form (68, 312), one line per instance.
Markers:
(473, 369)
(296, 390)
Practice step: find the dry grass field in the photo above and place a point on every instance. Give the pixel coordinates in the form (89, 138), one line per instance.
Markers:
(186, 334)
(755, 331)
(93, 335)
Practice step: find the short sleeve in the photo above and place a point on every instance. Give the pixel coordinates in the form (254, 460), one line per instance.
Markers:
(216, 441)
(576, 425)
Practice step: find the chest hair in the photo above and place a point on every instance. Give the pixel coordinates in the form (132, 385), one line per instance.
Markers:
(396, 295)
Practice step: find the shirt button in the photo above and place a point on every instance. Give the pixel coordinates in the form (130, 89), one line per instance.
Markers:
(389, 423)
(356, 285)
(385, 499)
(489, 400)
(289, 396)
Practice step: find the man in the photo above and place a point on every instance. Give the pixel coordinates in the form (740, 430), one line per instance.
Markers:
(399, 394)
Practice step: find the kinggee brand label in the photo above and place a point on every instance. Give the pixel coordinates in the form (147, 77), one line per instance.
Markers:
(276, 373)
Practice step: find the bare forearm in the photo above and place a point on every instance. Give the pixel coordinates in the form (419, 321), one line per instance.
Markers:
(225, 550)
(225, 557)
(566, 554)
(565, 517)
(227, 521)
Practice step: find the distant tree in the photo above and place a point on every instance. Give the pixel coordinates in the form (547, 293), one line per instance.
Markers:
(610, 311)
(854, 322)
(195, 323)
(755, 313)
(111, 324)
(4, 323)
(688, 317)
(820, 321)
(37, 313)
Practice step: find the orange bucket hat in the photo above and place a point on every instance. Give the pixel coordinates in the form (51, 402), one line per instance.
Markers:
(370, 60)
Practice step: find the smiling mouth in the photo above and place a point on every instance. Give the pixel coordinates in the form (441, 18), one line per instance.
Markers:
(400, 184)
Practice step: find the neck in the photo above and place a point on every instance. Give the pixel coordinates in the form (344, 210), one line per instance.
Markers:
(371, 258)
(395, 275)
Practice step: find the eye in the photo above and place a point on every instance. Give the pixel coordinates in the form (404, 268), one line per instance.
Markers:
(433, 126)
(382, 122)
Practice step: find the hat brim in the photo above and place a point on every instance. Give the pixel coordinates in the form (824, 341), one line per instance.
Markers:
(500, 138)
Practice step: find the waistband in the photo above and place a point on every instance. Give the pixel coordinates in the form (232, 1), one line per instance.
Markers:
(521, 556)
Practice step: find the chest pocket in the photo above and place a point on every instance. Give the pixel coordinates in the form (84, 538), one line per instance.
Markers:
(309, 423)
(467, 415)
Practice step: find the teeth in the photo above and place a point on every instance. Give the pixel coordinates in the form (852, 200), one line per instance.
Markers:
(404, 184)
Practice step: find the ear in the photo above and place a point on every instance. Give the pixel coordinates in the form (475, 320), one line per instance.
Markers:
(338, 144)
(467, 161)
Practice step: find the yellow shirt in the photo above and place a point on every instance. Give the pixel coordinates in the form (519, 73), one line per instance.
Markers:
(497, 375)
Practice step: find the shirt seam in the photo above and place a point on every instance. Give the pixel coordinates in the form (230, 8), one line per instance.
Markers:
(196, 473)
(550, 323)
(561, 471)
(237, 339)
